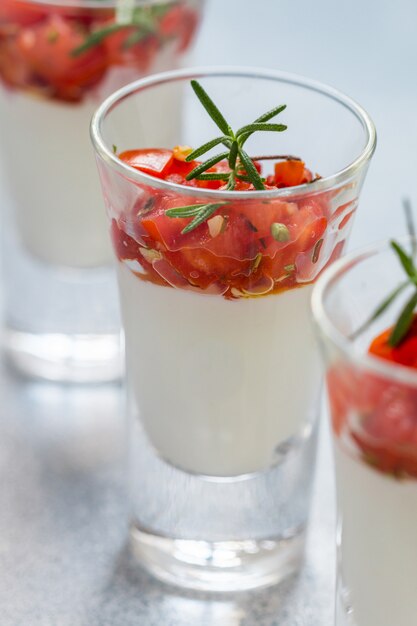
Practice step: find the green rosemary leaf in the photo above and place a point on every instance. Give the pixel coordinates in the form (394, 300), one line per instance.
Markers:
(233, 155)
(145, 18)
(185, 211)
(158, 10)
(251, 170)
(380, 310)
(211, 108)
(205, 148)
(251, 128)
(404, 322)
(206, 165)
(231, 182)
(405, 260)
(206, 212)
(243, 138)
(270, 114)
(214, 176)
(241, 165)
(97, 37)
(134, 38)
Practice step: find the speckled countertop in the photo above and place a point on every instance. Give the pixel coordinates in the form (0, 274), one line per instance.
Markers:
(63, 556)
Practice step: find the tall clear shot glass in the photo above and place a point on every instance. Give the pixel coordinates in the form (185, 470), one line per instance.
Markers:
(373, 410)
(222, 369)
(58, 60)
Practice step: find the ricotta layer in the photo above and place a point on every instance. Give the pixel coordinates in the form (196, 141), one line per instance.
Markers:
(378, 551)
(219, 384)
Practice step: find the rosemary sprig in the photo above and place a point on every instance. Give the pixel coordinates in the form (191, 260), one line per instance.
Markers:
(240, 163)
(200, 213)
(407, 261)
(234, 142)
(144, 21)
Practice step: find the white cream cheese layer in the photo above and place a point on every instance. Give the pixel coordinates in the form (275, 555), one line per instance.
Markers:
(379, 543)
(219, 384)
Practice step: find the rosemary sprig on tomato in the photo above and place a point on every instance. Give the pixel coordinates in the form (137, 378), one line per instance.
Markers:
(398, 333)
(61, 51)
(143, 23)
(241, 167)
(377, 412)
(235, 247)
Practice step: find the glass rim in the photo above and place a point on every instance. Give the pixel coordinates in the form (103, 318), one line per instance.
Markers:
(327, 182)
(92, 4)
(387, 369)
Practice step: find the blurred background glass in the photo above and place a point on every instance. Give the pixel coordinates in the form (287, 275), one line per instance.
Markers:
(58, 60)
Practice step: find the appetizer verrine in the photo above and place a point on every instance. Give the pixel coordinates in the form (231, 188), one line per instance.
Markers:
(233, 277)
(372, 385)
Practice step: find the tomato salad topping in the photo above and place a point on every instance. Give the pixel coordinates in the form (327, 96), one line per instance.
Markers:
(379, 414)
(235, 247)
(244, 248)
(62, 52)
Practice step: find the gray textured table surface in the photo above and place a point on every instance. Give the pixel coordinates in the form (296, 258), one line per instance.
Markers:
(63, 558)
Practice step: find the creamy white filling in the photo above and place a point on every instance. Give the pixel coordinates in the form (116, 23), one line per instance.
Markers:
(378, 543)
(53, 182)
(219, 384)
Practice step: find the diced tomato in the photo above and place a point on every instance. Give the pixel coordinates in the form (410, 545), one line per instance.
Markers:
(234, 248)
(182, 167)
(379, 413)
(151, 228)
(240, 185)
(125, 246)
(219, 168)
(47, 50)
(144, 53)
(154, 161)
(172, 21)
(388, 434)
(291, 173)
(187, 29)
(37, 42)
(311, 233)
(405, 353)
(13, 67)
(167, 230)
(114, 43)
(20, 13)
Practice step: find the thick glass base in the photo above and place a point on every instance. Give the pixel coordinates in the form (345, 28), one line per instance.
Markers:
(222, 566)
(65, 358)
(215, 533)
(60, 323)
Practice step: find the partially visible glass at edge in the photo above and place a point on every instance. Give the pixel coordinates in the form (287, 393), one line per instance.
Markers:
(373, 410)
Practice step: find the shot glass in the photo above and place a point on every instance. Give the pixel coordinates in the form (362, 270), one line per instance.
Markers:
(222, 369)
(58, 60)
(373, 408)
